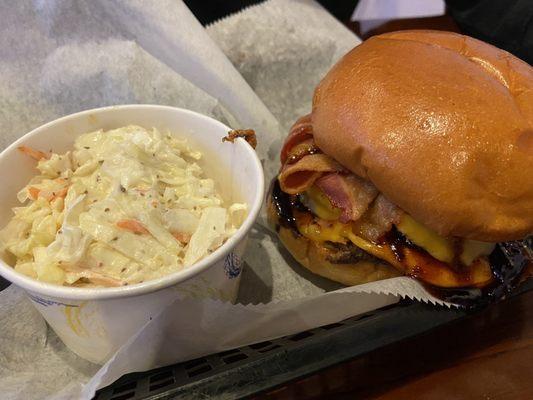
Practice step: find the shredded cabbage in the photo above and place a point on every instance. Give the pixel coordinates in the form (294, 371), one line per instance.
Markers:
(124, 206)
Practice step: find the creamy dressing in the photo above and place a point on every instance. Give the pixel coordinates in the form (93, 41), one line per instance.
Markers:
(124, 206)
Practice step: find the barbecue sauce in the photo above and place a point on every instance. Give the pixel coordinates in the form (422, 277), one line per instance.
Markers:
(508, 263)
(283, 204)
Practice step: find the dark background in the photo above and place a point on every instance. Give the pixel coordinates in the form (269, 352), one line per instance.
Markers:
(507, 24)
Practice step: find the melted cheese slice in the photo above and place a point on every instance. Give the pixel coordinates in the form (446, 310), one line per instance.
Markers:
(439, 247)
(315, 199)
(337, 232)
(412, 262)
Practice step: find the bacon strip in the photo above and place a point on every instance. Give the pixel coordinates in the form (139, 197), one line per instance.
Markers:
(302, 149)
(350, 193)
(300, 131)
(296, 178)
(359, 200)
(379, 219)
(246, 134)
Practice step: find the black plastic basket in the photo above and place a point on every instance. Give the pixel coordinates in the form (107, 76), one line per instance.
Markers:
(258, 368)
(255, 369)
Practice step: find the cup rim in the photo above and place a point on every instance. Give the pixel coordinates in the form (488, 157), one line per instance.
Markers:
(76, 293)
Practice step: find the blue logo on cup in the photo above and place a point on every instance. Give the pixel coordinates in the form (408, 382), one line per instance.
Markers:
(47, 303)
(232, 265)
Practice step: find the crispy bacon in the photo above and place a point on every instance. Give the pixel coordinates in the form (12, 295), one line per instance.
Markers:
(379, 219)
(350, 193)
(302, 149)
(303, 165)
(246, 134)
(296, 178)
(300, 131)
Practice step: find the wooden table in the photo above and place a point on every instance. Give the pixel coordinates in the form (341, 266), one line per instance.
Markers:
(488, 356)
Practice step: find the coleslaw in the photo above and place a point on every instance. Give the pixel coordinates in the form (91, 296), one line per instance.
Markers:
(124, 206)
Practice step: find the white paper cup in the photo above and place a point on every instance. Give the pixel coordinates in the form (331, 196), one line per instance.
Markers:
(94, 323)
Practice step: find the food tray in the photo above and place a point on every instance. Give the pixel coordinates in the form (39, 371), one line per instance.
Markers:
(261, 367)
(250, 370)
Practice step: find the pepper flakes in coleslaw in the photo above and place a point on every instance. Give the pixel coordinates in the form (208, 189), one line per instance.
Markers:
(125, 206)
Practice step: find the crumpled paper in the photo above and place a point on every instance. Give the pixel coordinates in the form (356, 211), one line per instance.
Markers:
(28, 351)
(254, 69)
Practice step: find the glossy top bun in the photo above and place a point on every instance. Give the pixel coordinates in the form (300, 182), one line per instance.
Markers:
(442, 124)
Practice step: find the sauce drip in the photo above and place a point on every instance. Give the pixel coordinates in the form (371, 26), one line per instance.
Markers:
(508, 262)
(397, 242)
(457, 264)
(283, 204)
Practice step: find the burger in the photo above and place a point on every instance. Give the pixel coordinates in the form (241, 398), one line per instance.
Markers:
(416, 159)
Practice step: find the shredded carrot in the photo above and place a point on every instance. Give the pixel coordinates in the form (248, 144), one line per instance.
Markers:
(49, 196)
(182, 237)
(60, 180)
(60, 193)
(35, 154)
(93, 277)
(132, 225)
(34, 192)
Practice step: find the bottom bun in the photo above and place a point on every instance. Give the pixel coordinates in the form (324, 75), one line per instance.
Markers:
(315, 257)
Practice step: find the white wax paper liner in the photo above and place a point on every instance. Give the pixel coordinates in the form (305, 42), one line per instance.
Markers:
(210, 326)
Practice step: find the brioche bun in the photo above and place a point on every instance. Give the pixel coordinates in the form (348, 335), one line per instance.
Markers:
(314, 256)
(441, 124)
